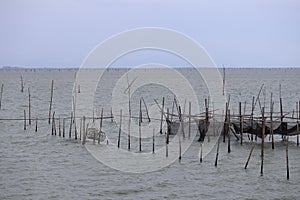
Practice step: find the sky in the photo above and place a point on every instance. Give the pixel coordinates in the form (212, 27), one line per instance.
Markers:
(62, 33)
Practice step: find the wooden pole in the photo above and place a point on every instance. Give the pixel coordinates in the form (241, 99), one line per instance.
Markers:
(51, 98)
(146, 110)
(80, 129)
(218, 148)
(190, 108)
(179, 134)
(111, 115)
(101, 121)
(70, 130)
(83, 131)
(297, 108)
(1, 94)
(24, 120)
(59, 127)
(153, 141)
(229, 150)
(120, 129)
(36, 124)
(140, 126)
(225, 121)
(201, 149)
(271, 120)
(252, 112)
(262, 142)
(181, 122)
(162, 115)
(223, 80)
(22, 84)
(241, 122)
(53, 124)
(173, 104)
(249, 156)
(168, 133)
(206, 120)
(63, 127)
(287, 159)
(74, 115)
(29, 107)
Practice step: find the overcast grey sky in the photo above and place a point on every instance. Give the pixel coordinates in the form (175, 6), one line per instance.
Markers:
(235, 33)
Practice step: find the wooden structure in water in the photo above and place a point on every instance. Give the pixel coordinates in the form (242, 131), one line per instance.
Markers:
(241, 126)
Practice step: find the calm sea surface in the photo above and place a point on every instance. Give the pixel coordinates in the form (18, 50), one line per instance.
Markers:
(41, 166)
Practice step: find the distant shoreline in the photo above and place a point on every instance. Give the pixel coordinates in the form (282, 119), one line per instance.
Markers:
(128, 68)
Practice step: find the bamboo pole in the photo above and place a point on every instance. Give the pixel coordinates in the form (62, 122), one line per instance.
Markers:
(63, 127)
(29, 107)
(173, 105)
(246, 165)
(241, 121)
(120, 129)
(51, 98)
(70, 130)
(218, 148)
(24, 120)
(74, 115)
(129, 111)
(140, 126)
(271, 120)
(168, 133)
(190, 119)
(53, 124)
(206, 120)
(59, 127)
(223, 80)
(297, 108)
(22, 85)
(146, 110)
(262, 142)
(252, 112)
(225, 121)
(201, 153)
(287, 159)
(101, 123)
(111, 115)
(162, 115)
(179, 135)
(229, 149)
(80, 129)
(153, 141)
(83, 131)
(1, 94)
(36, 124)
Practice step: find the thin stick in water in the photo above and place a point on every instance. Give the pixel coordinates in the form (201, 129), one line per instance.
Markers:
(262, 142)
(29, 107)
(24, 120)
(162, 115)
(246, 165)
(120, 129)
